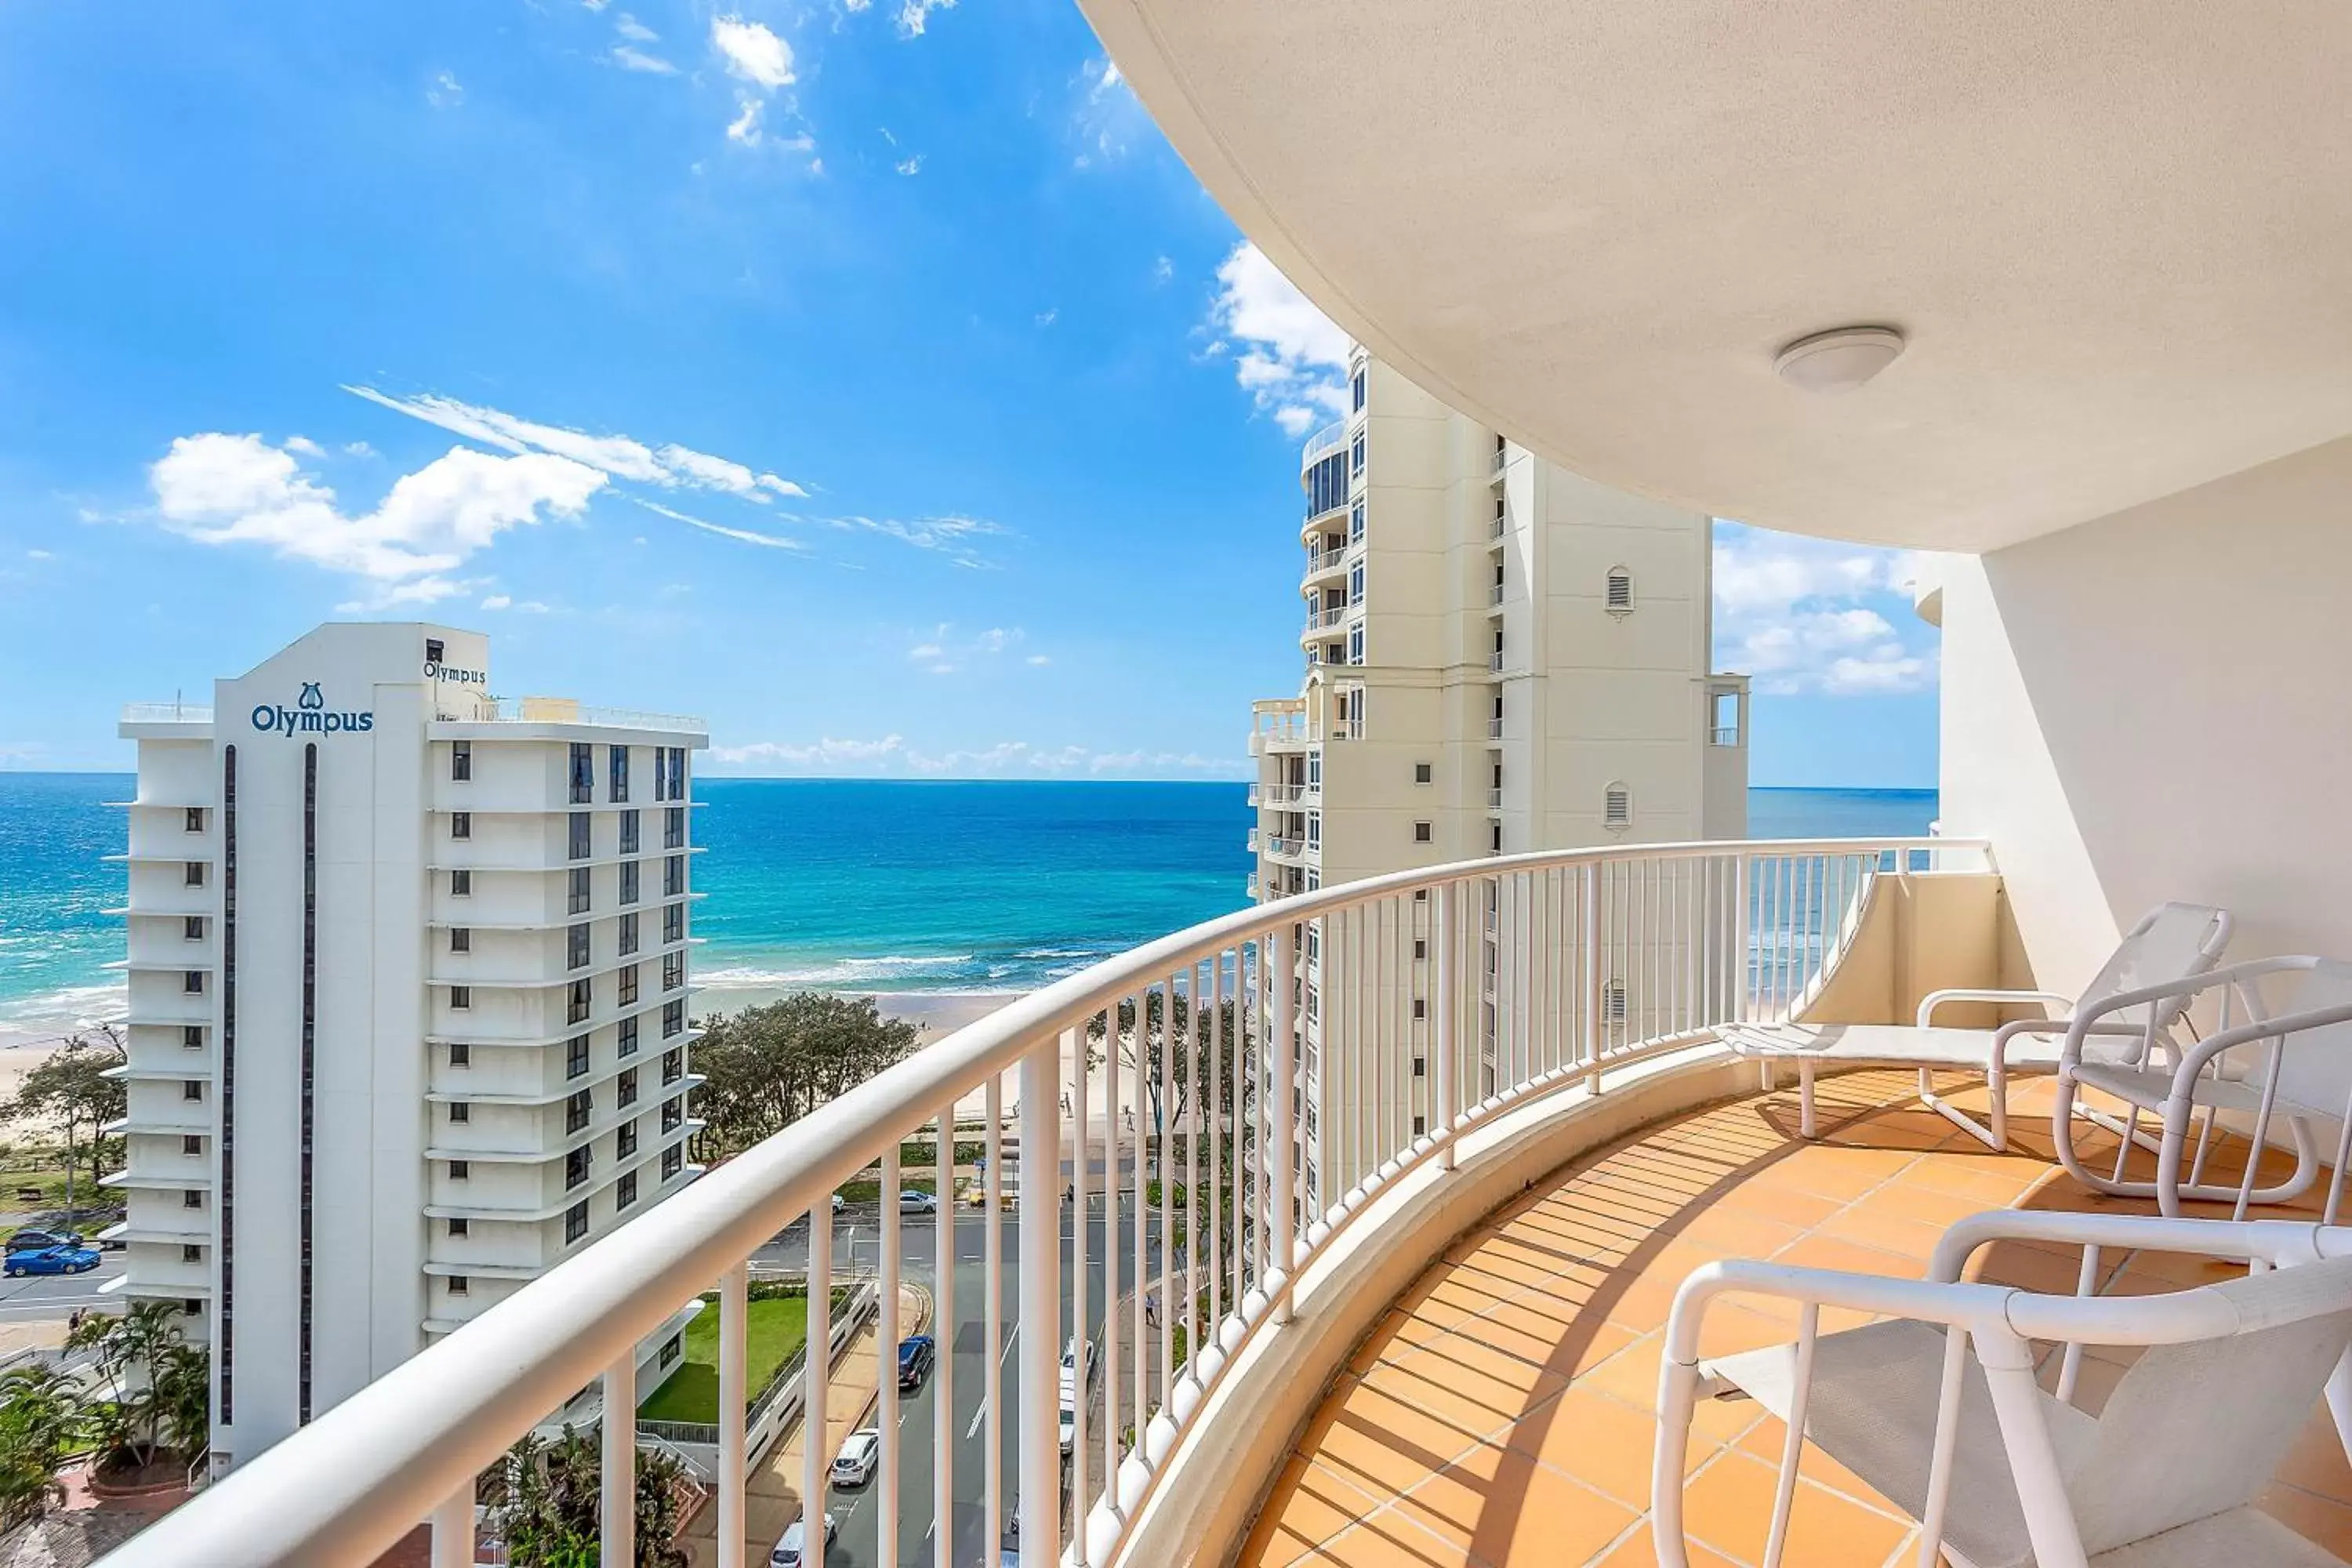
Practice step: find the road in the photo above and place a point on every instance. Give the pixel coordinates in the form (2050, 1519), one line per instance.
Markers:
(856, 1246)
(40, 1296)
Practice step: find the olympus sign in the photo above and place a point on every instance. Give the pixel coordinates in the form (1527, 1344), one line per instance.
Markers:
(434, 670)
(310, 716)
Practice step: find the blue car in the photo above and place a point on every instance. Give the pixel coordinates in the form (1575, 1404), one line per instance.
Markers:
(915, 1357)
(71, 1260)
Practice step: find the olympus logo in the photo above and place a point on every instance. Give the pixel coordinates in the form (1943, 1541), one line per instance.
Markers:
(310, 716)
(435, 670)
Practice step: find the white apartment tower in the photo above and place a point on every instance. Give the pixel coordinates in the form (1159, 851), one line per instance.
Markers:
(1500, 657)
(407, 1017)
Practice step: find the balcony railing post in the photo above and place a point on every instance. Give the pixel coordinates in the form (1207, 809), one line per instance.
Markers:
(734, 1352)
(1041, 1297)
(1594, 1029)
(453, 1529)
(1285, 1118)
(1440, 934)
(1742, 939)
(620, 1475)
(816, 1375)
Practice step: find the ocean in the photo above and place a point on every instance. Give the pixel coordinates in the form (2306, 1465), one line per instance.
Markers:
(849, 885)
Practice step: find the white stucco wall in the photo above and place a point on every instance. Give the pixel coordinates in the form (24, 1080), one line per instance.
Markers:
(2158, 705)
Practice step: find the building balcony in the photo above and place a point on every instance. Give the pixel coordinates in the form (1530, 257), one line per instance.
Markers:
(1323, 621)
(1278, 848)
(1379, 1183)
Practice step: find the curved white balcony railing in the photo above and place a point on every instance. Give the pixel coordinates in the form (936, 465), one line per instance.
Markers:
(1603, 956)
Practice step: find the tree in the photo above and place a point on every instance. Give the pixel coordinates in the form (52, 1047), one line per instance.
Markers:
(71, 1092)
(160, 1384)
(546, 1500)
(1200, 1039)
(40, 1423)
(766, 1068)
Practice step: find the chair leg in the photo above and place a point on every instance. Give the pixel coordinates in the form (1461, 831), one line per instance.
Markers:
(1806, 1123)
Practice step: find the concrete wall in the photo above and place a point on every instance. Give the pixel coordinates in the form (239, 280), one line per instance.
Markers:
(2158, 705)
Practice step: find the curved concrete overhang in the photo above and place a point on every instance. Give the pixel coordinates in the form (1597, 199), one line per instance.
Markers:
(2116, 234)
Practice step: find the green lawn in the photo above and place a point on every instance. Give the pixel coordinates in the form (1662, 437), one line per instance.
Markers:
(776, 1329)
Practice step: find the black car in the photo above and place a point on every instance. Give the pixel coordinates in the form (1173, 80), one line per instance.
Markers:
(42, 1241)
(916, 1353)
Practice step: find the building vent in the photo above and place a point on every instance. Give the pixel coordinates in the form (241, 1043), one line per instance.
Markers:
(1612, 1001)
(1620, 600)
(1617, 807)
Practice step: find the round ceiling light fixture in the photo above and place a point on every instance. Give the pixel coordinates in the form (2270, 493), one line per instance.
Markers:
(1840, 359)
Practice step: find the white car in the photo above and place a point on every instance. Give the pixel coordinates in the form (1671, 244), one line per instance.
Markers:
(913, 1201)
(860, 1452)
(787, 1553)
(1069, 1375)
(839, 1203)
(1069, 1424)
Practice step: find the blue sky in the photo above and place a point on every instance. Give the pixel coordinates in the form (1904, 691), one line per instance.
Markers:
(869, 378)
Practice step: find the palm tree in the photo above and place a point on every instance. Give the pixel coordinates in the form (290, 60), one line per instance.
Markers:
(40, 1419)
(154, 1375)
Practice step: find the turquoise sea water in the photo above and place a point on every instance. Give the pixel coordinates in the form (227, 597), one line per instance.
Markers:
(855, 885)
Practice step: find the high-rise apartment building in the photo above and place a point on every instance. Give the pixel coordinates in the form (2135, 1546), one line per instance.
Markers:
(407, 1020)
(1500, 657)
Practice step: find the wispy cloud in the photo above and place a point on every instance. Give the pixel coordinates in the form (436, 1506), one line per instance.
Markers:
(628, 57)
(914, 15)
(913, 166)
(1804, 614)
(637, 32)
(746, 535)
(943, 651)
(446, 93)
(225, 489)
(1106, 119)
(1290, 357)
(950, 536)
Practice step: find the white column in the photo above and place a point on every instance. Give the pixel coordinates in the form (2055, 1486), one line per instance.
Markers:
(1041, 1302)
(620, 1536)
(734, 1326)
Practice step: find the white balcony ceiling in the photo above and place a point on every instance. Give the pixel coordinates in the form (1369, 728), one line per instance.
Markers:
(2117, 234)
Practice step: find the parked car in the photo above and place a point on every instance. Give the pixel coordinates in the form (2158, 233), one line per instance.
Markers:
(1069, 1379)
(29, 1240)
(53, 1260)
(839, 1203)
(916, 1354)
(911, 1200)
(860, 1452)
(1069, 1424)
(787, 1553)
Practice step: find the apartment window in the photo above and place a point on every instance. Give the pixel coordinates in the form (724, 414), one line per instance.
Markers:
(575, 1222)
(1356, 455)
(629, 836)
(192, 1200)
(1423, 833)
(1355, 391)
(460, 1227)
(461, 884)
(1421, 1067)
(628, 934)
(192, 1089)
(1420, 1126)
(673, 1066)
(629, 881)
(433, 650)
(674, 968)
(191, 1252)
(661, 774)
(575, 947)
(461, 1055)
(575, 1168)
(459, 1170)
(673, 1114)
(628, 986)
(461, 761)
(461, 824)
(626, 1091)
(673, 924)
(461, 996)
(1356, 583)
(460, 1113)
(194, 875)
(1355, 643)
(578, 1109)
(673, 1018)
(1424, 772)
(628, 1038)
(677, 773)
(461, 939)
(1421, 947)
(191, 1037)
(1617, 807)
(458, 1284)
(581, 841)
(575, 1056)
(1356, 523)
(1620, 591)
(582, 998)
(191, 1144)
(673, 1160)
(624, 1192)
(672, 1349)
(673, 828)
(191, 982)
(616, 769)
(1420, 1008)
(583, 774)
(195, 819)
(673, 876)
(580, 896)
(624, 1142)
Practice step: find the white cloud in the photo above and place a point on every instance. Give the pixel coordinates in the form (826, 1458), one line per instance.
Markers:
(445, 92)
(1105, 117)
(358, 449)
(1804, 614)
(1294, 358)
(950, 536)
(943, 652)
(220, 489)
(753, 52)
(915, 15)
(497, 602)
(1047, 317)
(745, 535)
(1162, 271)
(637, 32)
(913, 166)
(622, 457)
(1038, 659)
(745, 127)
(305, 446)
(38, 555)
(921, 651)
(628, 57)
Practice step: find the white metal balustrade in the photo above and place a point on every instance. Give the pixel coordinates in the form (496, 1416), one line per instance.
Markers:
(1535, 971)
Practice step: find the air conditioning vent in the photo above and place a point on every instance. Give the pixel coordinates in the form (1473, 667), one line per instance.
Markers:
(1617, 807)
(1620, 595)
(1612, 1001)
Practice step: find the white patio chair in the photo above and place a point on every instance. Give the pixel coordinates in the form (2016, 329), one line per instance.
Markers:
(2171, 943)
(1936, 1407)
(2295, 1065)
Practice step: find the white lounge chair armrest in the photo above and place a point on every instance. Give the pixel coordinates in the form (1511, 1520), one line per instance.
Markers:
(2197, 1055)
(2278, 1242)
(1934, 999)
(1977, 1306)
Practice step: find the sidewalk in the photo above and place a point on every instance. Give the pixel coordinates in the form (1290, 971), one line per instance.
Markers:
(774, 1484)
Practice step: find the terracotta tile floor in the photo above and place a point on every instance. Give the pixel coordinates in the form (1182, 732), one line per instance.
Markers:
(1501, 1413)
